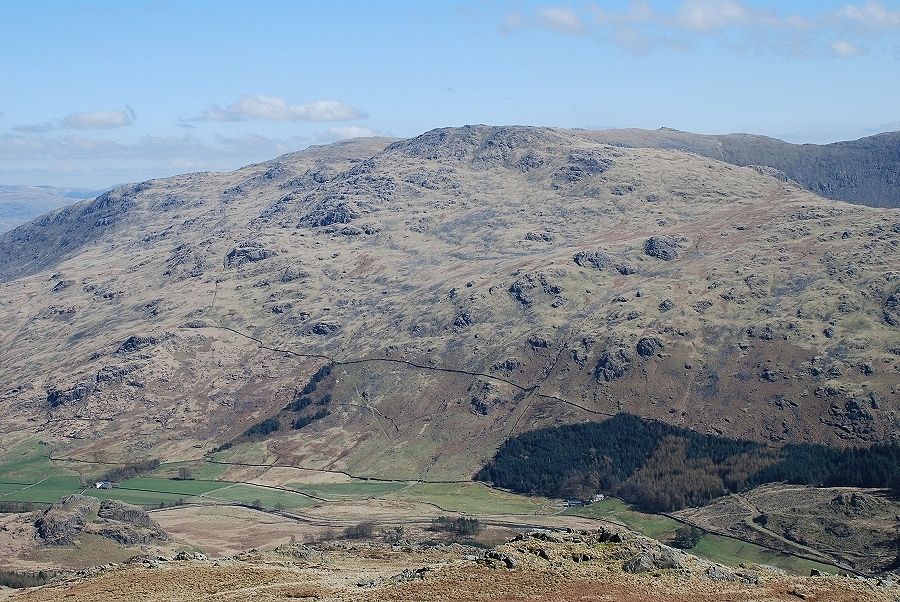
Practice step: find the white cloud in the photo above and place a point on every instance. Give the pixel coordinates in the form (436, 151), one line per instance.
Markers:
(706, 15)
(273, 108)
(871, 15)
(642, 26)
(97, 120)
(562, 19)
(845, 48)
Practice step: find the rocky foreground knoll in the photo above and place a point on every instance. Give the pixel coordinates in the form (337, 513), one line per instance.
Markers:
(545, 565)
(74, 515)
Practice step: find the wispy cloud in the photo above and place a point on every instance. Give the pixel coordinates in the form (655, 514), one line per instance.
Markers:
(871, 15)
(642, 26)
(97, 120)
(35, 128)
(844, 48)
(561, 18)
(85, 120)
(707, 15)
(273, 108)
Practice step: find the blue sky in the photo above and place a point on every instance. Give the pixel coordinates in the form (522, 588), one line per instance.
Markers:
(98, 93)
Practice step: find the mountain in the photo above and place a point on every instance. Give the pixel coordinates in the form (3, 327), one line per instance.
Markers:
(406, 305)
(19, 204)
(863, 172)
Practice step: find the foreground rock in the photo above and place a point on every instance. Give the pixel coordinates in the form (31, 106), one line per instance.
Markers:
(540, 565)
(77, 514)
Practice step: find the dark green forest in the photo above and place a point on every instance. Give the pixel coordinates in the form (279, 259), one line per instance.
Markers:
(660, 467)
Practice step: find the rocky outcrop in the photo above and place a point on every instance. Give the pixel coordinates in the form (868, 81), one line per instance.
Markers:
(526, 289)
(663, 247)
(322, 328)
(248, 251)
(127, 524)
(79, 392)
(649, 346)
(126, 513)
(329, 212)
(65, 520)
(484, 397)
(136, 342)
(663, 558)
(613, 364)
(592, 259)
(579, 166)
(891, 308)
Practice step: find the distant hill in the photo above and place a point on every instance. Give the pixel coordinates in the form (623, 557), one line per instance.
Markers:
(462, 287)
(863, 172)
(20, 204)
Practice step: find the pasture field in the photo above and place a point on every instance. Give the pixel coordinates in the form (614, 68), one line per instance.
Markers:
(615, 510)
(358, 489)
(266, 496)
(471, 498)
(716, 548)
(181, 487)
(46, 490)
(733, 552)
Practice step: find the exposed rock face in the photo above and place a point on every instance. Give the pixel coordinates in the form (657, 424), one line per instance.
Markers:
(123, 523)
(79, 392)
(892, 309)
(323, 328)
(662, 558)
(64, 521)
(613, 364)
(649, 346)
(126, 513)
(592, 259)
(526, 289)
(136, 342)
(330, 212)
(127, 524)
(666, 248)
(484, 397)
(248, 251)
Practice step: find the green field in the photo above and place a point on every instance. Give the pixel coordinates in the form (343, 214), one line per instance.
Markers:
(27, 462)
(617, 511)
(470, 498)
(268, 497)
(183, 488)
(45, 491)
(200, 470)
(8, 487)
(254, 452)
(717, 548)
(138, 498)
(733, 552)
(354, 490)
